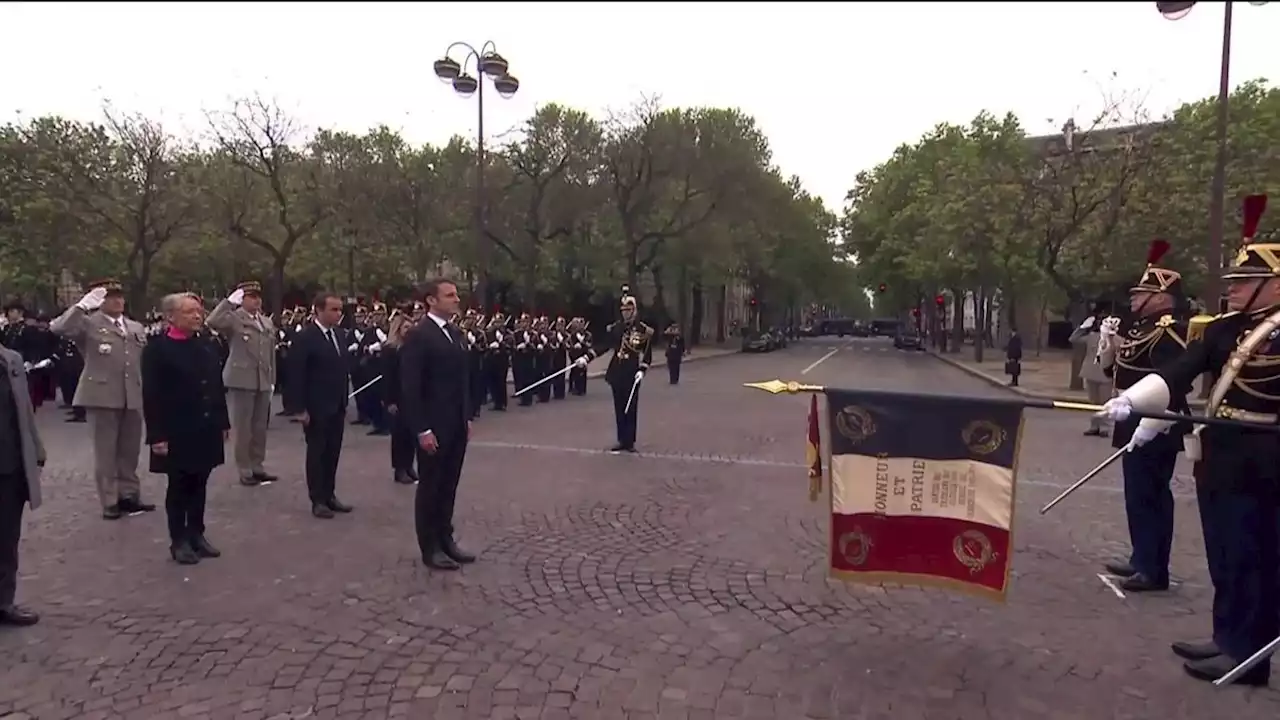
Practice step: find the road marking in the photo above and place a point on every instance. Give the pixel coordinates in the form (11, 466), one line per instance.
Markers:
(819, 361)
(754, 462)
(1111, 583)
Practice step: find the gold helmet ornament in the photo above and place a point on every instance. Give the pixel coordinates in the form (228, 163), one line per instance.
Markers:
(1255, 260)
(1156, 279)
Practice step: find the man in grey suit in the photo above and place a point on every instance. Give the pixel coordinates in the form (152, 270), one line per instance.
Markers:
(21, 457)
(250, 376)
(111, 391)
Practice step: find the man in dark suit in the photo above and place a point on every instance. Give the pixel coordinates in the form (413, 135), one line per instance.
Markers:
(317, 395)
(21, 459)
(436, 404)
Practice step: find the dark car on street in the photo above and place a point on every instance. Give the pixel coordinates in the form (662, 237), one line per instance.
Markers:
(907, 339)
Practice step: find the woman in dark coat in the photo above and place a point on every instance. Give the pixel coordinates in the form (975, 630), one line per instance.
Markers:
(184, 405)
(404, 446)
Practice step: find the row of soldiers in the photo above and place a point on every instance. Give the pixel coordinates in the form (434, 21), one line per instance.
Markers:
(1158, 353)
(522, 347)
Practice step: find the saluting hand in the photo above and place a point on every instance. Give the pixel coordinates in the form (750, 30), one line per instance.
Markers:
(160, 448)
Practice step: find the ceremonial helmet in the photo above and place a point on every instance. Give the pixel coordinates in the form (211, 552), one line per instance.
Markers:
(1255, 260)
(1156, 279)
(379, 308)
(628, 300)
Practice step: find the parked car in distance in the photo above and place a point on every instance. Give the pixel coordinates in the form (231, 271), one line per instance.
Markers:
(907, 339)
(759, 343)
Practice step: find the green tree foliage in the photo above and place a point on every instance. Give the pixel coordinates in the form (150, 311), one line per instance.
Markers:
(683, 204)
(988, 217)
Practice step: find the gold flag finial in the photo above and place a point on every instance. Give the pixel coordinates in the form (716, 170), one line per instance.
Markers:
(775, 387)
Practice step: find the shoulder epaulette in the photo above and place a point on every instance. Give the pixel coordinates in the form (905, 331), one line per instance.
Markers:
(1196, 325)
(1165, 321)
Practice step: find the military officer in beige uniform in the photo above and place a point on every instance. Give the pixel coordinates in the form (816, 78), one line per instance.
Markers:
(110, 390)
(250, 376)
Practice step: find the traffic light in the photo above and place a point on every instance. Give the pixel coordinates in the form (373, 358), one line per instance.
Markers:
(753, 302)
(940, 301)
(883, 287)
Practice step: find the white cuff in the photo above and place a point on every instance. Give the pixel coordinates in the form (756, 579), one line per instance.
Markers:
(1149, 395)
(424, 433)
(1158, 426)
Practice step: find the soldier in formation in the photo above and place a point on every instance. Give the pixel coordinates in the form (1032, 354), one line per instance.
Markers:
(578, 342)
(499, 343)
(1237, 470)
(1153, 335)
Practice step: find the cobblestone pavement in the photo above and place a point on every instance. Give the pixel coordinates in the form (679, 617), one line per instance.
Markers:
(686, 582)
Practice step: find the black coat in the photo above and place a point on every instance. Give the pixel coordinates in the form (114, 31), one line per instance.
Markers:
(390, 381)
(434, 384)
(319, 373)
(184, 403)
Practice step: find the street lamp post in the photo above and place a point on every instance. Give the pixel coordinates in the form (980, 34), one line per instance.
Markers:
(1218, 188)
(487, 62)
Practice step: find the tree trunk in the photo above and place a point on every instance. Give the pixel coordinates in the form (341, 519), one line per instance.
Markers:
(957, 320)
(659, 313)
(979, 323)
(721, 302)
(694, 333)
(275, 296)
(682, 298)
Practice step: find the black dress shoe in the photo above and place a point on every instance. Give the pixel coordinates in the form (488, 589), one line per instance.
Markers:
(378, 432)
(134, 505)
(338, 506)
(1120, 569)
(204, 548)
(16, 616)
(250, 481)
(183, 554)
(321, 510)
(1214, 668)
(1196, 651)
(111, 513)
(402, 478)
(438, 560)
(619, 448)
(457, 554)
(265, 477)
(1140, 583)
(412, 474)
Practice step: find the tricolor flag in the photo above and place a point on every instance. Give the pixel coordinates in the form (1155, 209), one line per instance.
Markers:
(922, 489)
(813, 451)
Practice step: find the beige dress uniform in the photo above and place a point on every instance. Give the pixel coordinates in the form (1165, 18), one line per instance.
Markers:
(110, 390)
(250, 378)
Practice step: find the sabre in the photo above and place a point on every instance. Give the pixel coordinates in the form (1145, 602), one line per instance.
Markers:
(1267, 651)
(1088, 476)
(631, 398)
(364, 387)
(549, 378)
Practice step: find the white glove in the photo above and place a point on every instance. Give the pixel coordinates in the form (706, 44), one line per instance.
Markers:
(522, 346)
(1088, 323)
(92, 300)
(1110, 326)
(353, 347)
(493, 346)
(382, 337)
(42, 364)
(1149, 429)
(376, 347)
(581, 362)
(639, 375)
(1116, 409)
(236, 298)
(26, 367)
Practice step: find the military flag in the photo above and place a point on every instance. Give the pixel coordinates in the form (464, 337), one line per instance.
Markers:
(922, 489)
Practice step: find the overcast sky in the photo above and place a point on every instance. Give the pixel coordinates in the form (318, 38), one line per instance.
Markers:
(835, 85)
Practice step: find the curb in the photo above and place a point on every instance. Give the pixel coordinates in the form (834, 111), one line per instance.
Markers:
(1004, 385)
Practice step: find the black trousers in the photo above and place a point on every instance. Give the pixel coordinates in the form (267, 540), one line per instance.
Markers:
(184, 501)
(13, 500)
(495, 370)
(1148, 503)
(403, 445)
(522, 371)
(324, 449)
(541, 369)
(558, 385)
(578, 381)
(1242, 545)
(673, 370)
(437, 493)
(626, 421)
(478, 381)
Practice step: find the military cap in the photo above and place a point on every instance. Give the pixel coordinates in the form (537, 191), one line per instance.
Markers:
(111, 285)
(250, 287)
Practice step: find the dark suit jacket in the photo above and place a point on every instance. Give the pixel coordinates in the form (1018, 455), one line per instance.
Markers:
(318, 373)
(184, 403)
(434, 382)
